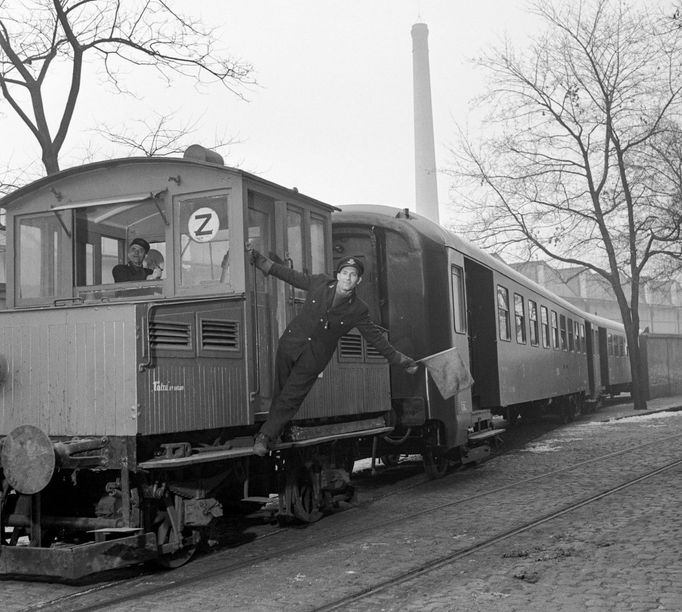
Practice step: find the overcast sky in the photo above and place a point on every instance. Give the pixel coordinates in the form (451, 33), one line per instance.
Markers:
(332, 112)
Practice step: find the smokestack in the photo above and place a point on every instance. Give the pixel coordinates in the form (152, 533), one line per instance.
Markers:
(424, 149)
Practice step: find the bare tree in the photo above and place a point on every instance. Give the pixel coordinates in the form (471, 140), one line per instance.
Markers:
(157, 136)
(40, 38)
(579, 161)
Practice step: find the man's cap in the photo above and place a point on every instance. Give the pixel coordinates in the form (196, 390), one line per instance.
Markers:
(141, 242)
(351, 262)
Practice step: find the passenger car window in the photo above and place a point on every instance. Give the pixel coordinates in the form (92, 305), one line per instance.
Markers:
(571, 345)
(555, 330)
(504, 323)
(545, 326)
(562, 325)
(533, 326)
(520, 318)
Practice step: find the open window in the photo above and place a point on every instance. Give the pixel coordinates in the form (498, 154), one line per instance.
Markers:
(103, 233)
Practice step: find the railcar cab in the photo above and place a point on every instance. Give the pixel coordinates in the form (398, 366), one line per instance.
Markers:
(204, 327)
(67, 240)
(140, 390)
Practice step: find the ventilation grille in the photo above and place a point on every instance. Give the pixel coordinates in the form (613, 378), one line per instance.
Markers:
(164, 334)
(372, 354)
(353, 348)
(220, 335)
(350, 348)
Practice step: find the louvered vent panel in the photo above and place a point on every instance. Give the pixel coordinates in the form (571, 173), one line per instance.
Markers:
(165, 334)
(372, 353)
(350, 347)
(220, 335)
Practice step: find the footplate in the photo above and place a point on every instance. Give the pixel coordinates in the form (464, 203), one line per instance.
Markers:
(73, 562)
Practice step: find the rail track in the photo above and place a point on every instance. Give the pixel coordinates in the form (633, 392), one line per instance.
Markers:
(119, 592)
(435, 564)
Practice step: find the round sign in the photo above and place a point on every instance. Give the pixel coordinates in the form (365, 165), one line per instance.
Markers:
(203, 224)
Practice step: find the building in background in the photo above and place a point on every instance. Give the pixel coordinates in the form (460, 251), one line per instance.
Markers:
(3, 249)
(660, 307)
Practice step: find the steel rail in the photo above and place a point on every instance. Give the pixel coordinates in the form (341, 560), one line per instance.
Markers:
(444, 560)
(70, 602)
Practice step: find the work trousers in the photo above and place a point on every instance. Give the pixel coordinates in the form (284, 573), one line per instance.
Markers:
(293, 380)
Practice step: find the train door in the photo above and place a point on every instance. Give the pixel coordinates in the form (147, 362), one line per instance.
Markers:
(293, 236)
(302, 241)
(266, 304)
(593, 363)
(368, 245)
(605, 350)
(459, 328)
(482, 316)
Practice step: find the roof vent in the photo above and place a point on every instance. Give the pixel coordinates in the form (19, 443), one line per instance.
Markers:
(199, 153)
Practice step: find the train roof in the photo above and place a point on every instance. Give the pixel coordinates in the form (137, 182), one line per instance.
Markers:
(405, 221)
(9, 200)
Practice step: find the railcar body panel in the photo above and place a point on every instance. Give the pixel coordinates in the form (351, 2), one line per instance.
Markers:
(195, 375)
(354, 382)
(71, 371)
(530, 371)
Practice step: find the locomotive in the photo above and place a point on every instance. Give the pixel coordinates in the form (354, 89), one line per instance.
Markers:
(127, 410)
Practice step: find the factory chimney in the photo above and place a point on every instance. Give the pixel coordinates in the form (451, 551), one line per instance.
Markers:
(424, 149)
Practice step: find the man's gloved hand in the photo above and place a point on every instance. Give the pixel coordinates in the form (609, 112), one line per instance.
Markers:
(410, 365)
(258, 259)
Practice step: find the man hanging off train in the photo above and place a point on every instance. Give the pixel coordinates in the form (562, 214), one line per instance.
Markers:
(331, 309)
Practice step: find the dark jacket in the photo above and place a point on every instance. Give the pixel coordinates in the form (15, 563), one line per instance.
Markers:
(320, 326)
(128, 272)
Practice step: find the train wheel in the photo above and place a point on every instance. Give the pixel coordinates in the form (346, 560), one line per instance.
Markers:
(390, 460)
(170, 535)
(435, 464)
(305, 503)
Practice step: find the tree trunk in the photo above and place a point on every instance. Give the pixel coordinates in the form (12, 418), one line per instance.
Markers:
(639, 387)
(50, 160)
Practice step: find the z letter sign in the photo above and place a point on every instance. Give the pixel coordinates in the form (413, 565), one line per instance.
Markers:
(203, 225)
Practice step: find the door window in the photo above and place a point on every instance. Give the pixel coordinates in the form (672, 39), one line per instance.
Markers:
(457, 276)
(259, 237)
(204, 241)
(317, 245)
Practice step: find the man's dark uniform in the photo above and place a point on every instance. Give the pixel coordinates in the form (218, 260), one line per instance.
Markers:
(309, 342)
(123, 273)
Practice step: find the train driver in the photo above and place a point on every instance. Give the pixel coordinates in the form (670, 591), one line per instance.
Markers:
(331, 309)
(135, 269)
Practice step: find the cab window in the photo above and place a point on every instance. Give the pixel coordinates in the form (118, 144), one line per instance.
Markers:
(203, 241)
(103, 236)
(39, 273)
